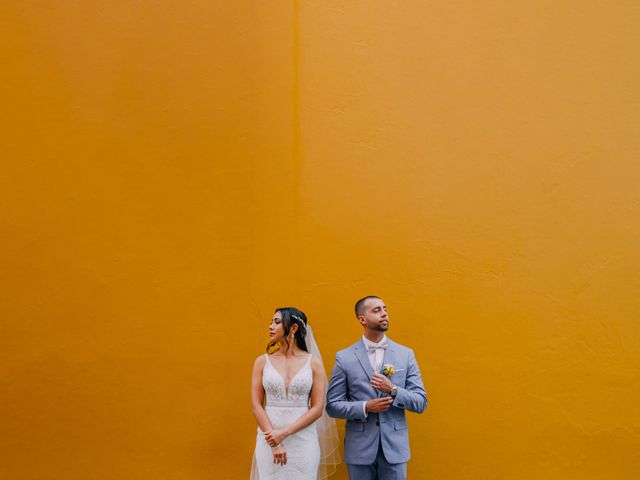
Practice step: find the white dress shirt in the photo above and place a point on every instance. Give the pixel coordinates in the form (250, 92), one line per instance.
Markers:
(376, 356)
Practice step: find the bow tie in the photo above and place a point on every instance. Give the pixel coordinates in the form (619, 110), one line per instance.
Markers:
(381, 346)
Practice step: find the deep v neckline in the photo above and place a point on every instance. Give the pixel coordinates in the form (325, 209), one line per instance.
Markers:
(286, 387)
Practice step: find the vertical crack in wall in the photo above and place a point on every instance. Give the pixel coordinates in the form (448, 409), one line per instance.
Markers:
(296, 139)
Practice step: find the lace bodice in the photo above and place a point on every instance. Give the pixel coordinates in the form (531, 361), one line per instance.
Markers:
(296, 393)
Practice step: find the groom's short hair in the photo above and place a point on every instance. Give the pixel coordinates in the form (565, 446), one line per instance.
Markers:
(360, 304)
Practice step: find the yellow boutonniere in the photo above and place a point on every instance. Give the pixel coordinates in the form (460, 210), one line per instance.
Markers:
(388, 369)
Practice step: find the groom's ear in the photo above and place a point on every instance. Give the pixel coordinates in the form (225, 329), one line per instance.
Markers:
(362, 321)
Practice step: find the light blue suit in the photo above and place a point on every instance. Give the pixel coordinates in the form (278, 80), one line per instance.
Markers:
(349, 387)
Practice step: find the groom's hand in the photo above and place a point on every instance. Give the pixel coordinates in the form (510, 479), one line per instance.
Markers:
(381, 383)
(378, 405)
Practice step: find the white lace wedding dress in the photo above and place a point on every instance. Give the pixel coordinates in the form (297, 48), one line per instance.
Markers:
(284, 405)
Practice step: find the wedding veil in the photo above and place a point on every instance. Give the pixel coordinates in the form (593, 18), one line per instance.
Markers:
(325, 425)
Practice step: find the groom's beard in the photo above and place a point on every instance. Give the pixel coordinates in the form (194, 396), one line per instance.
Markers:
(379, 328)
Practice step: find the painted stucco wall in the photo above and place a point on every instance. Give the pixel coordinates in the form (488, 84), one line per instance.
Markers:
(174, 171)
(140, 145)
(477, 165)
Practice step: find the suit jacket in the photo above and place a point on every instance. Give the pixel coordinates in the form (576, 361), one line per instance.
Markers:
(349, 387)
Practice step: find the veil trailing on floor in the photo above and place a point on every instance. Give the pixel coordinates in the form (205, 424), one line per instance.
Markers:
(325, 426)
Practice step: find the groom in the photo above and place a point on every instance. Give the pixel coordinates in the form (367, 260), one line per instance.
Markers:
(376, 442)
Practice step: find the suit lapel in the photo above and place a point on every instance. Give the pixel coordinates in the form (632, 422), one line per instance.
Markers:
(363, 358)
(388, 357)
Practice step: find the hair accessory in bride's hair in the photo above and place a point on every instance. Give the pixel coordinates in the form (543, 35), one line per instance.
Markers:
(301, 323)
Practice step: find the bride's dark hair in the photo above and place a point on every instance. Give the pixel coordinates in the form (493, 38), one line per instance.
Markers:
(291, 315)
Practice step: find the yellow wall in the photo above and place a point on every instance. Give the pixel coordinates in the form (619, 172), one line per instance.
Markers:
(172, 171)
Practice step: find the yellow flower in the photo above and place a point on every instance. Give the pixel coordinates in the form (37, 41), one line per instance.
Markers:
(388, 369)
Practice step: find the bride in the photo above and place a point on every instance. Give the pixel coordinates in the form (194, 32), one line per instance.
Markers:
(296, 439)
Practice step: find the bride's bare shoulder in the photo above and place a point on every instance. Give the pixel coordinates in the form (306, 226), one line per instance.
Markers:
(316, 363)
(260, 361)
